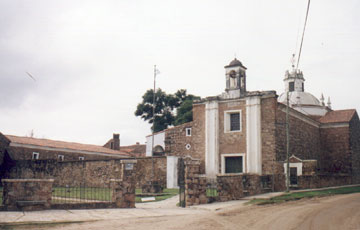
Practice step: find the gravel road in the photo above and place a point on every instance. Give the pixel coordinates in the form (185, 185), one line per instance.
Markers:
(334, 212)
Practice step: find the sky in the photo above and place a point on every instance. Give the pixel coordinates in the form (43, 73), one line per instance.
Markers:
(93, 60)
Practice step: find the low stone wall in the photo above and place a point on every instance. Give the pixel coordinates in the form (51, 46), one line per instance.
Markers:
(230, 187)
(36, 194)
(87, 173)
(199, 188)
(27, 194)
(319, 181)
(145, 172)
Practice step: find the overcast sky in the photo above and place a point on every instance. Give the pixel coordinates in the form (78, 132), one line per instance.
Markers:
(93, 60)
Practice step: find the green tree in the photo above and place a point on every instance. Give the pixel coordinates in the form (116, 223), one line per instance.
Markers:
(165, 107)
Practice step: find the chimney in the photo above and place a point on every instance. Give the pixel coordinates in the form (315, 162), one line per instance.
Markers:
(116, 140)
(137, 143)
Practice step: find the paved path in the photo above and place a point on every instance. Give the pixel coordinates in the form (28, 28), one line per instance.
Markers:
(318, 213)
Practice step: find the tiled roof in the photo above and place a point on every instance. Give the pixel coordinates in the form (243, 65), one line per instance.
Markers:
(64, 145)
(134, 150)
(338, 116)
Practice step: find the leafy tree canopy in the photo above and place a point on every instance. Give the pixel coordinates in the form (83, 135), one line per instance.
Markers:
(170, 109)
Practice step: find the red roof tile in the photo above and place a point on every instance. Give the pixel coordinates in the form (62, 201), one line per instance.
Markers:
(338, 116)
(64, 145)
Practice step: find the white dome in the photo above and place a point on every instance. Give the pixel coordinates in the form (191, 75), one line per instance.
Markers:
(299, 98)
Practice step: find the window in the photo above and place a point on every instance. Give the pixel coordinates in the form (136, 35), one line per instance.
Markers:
(61, 157)
(232, 121)
(81, 158)
(291, 86)
(188, 132)
(232, 163)
(35, 156)
(188, 146)
(112, 145)
(302, 87)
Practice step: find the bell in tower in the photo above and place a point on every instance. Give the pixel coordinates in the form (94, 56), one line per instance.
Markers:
(235, 79)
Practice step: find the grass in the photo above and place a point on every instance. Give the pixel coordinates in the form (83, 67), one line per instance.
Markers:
(301, 195)
(167, 193)
(98, 194)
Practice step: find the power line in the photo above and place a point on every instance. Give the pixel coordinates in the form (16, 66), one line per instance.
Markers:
(302, 38)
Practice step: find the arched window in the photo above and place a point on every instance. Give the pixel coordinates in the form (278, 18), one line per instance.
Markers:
(158, 151)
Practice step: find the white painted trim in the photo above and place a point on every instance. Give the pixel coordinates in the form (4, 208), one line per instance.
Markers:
(61, 157)
(298, 167)
(227, 121)
(334, 125)
(301, 117)
(297, 158)
(223, 156)
(171, 171)
(35, 156)
(12, 144)
(186, 132)
(253, 135)
(211, 138)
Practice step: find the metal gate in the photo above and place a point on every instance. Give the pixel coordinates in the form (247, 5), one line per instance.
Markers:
(181, 182)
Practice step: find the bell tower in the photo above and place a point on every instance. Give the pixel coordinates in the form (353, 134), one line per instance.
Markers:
(235, 74)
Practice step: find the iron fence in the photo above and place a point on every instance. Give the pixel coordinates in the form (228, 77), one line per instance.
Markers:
(80, 194)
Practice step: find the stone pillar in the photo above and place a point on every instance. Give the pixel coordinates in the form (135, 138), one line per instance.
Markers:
(27, 194)
(124, 189)
(195, 184)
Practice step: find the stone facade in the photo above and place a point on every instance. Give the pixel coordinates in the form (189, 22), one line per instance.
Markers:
(89, 173)
(304, 135)
(195, 184)
(36, 194)
(4, 143)
(323, 142)
(227, 186)
(27, 194)
(336, 154)
(355, 148)
(320, 181)
(144, 172)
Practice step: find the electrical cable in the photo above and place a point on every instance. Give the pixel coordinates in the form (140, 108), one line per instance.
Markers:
(302, 38)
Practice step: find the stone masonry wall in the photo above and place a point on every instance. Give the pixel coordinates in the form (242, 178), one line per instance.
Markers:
(355, 148)
(198, 135)
(144, 171)
(268, 136)
(321, 181)
(232, 142)
(304, 137)
(176, 141)
(90, 173)
(27, 194)
(195, 184)
(76, 173)
(335, 155)
(3, 145)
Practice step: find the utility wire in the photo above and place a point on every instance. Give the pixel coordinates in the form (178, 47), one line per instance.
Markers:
(302, 38)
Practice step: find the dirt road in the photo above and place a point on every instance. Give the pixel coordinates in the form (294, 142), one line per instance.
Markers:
(335, 212)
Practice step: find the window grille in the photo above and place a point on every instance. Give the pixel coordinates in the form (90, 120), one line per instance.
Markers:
(234, 121)
(234, 164)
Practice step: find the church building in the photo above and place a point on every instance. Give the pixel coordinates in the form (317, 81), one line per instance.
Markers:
(244, 132)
